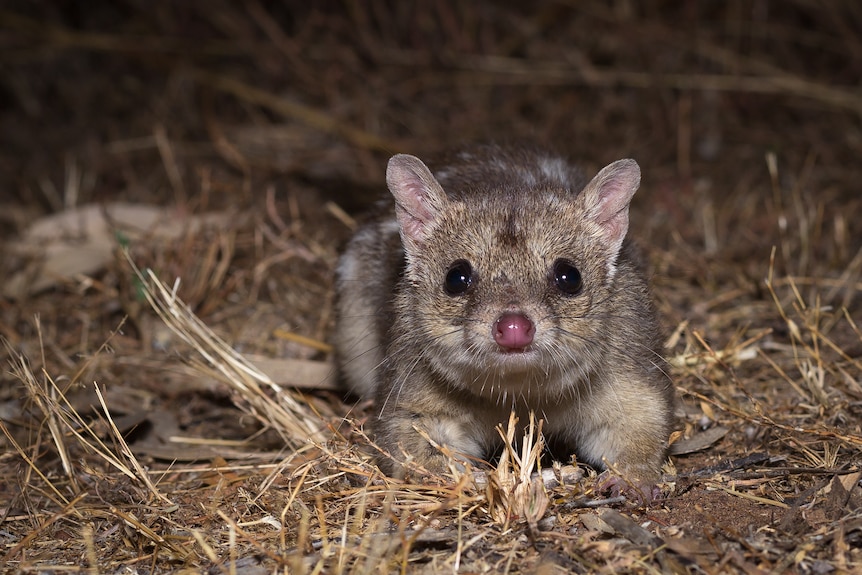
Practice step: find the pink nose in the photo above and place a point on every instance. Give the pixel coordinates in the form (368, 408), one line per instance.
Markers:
(513, 331)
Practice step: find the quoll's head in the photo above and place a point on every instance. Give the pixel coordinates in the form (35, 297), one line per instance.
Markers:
(511, 280)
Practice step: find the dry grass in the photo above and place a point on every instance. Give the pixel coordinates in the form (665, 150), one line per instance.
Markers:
(142, 431)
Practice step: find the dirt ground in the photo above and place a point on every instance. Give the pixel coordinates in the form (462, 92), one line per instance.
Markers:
(229, 147)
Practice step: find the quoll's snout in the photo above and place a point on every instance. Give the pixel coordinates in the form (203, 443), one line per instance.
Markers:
(513, 331)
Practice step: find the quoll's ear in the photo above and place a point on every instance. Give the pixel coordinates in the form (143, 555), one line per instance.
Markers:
(606, 200)
(419, 198)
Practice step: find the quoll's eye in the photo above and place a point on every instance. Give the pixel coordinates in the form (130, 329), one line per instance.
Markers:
(459, 278)
(567, 278)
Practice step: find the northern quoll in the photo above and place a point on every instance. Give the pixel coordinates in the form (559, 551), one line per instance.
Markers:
(503, 281)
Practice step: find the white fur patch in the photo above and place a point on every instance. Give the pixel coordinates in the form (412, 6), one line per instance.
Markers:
(453, 435)
(555, 169)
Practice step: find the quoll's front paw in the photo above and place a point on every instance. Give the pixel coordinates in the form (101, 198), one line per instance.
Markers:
(429, 464)
(639, 493)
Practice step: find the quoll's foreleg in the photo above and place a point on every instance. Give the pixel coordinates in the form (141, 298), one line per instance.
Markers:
(417, 441)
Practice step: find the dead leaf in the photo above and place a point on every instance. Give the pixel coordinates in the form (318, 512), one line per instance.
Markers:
(82, 240)
(699, 441)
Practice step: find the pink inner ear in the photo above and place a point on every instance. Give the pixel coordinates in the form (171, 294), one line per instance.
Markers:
(418, 195)
(617, 227)
(608, 196)
(410, 194)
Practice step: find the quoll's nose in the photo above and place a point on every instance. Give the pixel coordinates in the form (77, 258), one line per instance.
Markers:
(513, 331)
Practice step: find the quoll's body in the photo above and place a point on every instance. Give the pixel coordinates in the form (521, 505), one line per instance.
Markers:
(501, 282)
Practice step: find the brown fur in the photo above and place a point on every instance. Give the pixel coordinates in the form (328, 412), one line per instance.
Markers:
(593, 371)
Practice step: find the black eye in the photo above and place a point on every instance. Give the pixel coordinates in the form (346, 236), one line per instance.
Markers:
(459, 278)
(567, 278)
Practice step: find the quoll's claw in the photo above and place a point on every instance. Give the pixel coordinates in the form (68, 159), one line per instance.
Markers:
(638, 493)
